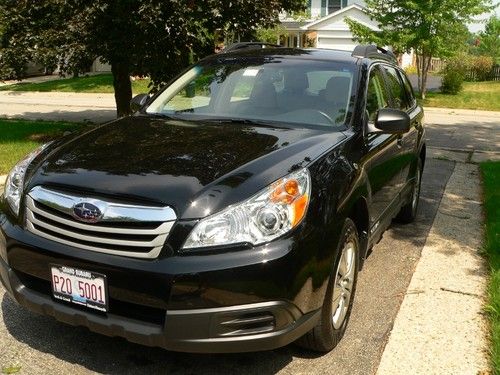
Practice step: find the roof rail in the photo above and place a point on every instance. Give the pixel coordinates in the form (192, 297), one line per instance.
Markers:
(371, 50)
(249, 45)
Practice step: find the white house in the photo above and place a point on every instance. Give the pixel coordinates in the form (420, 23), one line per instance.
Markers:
(327, 28)
(331, 31)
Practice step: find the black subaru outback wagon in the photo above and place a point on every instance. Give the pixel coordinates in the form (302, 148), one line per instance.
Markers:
(232, 212)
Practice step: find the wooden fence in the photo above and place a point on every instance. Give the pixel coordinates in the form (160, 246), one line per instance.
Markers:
(494, 75)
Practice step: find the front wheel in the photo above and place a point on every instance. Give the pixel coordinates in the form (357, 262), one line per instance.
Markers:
(339, 296)
(408, 212)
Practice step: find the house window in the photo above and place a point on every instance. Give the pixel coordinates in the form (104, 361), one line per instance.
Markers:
(333, 6)
(323, 8)
(330, 6)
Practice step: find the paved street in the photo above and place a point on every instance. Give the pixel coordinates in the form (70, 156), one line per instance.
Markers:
(433, 82)
(58, 106)
(463, 129)
(456, 129)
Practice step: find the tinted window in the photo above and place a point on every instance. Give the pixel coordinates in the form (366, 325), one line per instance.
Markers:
(377, 96)
(409, 90)
(396, 88)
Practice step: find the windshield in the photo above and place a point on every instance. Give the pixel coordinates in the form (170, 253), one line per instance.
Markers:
(288, 91)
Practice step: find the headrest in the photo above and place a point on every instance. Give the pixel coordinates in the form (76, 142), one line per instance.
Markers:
(295, 81)
(337, 90)
(264, 94)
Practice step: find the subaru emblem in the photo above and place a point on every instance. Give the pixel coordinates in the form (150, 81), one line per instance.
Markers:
(87, 212)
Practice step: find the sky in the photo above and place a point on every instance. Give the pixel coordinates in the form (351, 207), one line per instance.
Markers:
(478, 25)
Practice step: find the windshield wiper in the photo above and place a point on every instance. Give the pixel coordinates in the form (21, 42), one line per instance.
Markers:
(244, 121)
(165, 116)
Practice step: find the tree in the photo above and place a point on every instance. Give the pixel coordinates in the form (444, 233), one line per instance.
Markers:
(271, 34)
(136, 37)
(434, 28)
(489, 39)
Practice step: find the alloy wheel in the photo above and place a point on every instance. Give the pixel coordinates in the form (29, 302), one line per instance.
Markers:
(344, 283)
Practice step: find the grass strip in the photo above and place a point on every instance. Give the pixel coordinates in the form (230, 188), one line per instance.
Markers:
(491, 182)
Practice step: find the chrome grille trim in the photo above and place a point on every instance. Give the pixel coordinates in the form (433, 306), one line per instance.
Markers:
(113, 211)
(46, 224)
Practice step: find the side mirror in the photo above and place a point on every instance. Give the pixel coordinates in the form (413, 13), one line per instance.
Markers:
(392, 121)
(138, 102)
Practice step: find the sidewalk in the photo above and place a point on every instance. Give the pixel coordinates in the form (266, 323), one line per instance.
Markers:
(440, 327)
(45, 78)
(58, 106)
(37, 79)
(462, 112)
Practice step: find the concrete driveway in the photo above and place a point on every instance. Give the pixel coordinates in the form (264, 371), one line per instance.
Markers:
(41, 345)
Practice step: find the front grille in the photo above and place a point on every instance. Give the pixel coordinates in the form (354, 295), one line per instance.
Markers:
(123, 229)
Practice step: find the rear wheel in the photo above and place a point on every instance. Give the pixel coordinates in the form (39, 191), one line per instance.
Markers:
(339, 296)
(408, 212)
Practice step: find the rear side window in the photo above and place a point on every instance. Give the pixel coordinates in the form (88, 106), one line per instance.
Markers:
(377, 96)
(396, 88)
(409, 90)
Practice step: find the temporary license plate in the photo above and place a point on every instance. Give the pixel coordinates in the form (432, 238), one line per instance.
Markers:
(80, 287)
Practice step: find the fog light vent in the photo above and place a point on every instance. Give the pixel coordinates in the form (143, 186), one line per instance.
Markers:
(248, 324)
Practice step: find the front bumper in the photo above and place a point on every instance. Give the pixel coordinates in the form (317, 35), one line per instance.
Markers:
(198, 330)
(233, 302)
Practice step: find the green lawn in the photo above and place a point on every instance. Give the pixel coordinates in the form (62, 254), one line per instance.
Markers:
(102, 83)
(475, 95)
(491, 181)
(19, 137)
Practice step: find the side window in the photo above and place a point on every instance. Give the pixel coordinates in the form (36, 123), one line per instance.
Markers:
(409, 90)
(377, 96)
(194, 96)
(396, 88)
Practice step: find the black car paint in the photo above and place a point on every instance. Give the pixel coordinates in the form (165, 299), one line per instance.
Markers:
(178, 163)
(363, 176)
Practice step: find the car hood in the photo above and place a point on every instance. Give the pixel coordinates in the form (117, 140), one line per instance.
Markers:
(197, 168)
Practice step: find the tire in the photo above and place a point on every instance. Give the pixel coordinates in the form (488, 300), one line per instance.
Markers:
(408, 212)
(336, 311)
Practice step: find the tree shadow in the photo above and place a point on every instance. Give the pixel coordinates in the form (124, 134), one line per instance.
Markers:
(104, 354)
(454, 233)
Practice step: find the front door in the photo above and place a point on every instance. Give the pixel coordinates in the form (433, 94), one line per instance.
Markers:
(382, 152)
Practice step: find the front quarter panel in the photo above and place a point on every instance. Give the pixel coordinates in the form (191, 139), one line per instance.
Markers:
(333, 178)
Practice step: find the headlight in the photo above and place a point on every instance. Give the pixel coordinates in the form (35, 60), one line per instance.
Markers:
(15, 180)
(267, 215)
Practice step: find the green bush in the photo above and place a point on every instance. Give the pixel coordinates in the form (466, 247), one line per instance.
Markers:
(481, 67)
(454, 75)
(411, 69)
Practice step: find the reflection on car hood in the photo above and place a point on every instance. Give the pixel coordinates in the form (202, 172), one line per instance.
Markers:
(196, 168)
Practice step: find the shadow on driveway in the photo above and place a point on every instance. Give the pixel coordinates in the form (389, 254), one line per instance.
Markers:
(115, 355)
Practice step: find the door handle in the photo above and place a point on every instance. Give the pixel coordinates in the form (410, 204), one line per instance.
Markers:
(399, 141)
